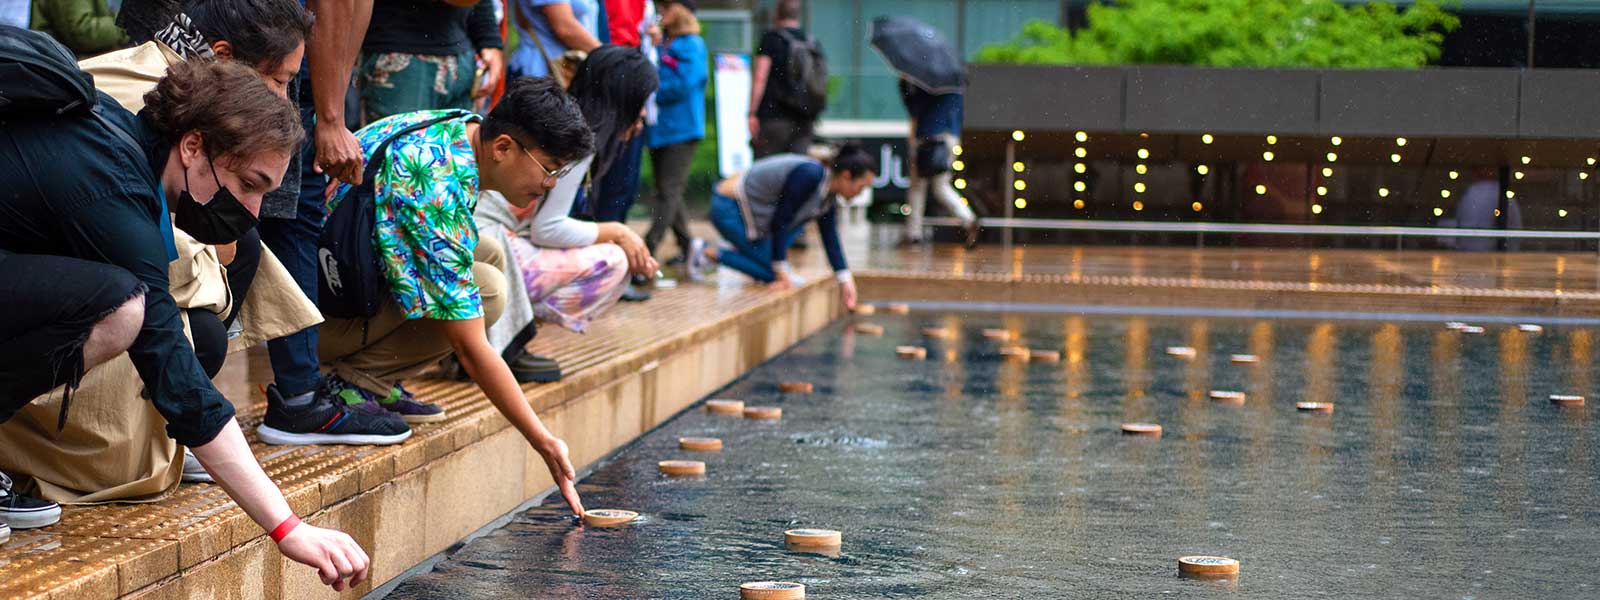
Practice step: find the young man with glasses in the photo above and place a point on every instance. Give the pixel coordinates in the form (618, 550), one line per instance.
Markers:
(445, 283)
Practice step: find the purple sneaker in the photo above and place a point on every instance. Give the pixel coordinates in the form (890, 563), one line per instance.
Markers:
(401, 402)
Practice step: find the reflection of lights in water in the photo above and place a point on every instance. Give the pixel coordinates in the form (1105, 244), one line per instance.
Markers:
(1202, 169)
(1316, 209)
(1020, 203)
(1400, 141)
(1527, 159)
(1077, 203)
(1510, 194)
(1197, 206)
(1017, 135)
(1333, 157)
(1081, 136)
(961, 184)
(1444, 193)
(1438, 212)
(1383, 192)
(1138, 187)
(958, 165)
(1261, 190)
(1141, 169)
(905, 209)
(1394, 158)
(1336, 140)
(1080, 152)
(1327, 171)
(1454, 174)
(1562, 213)
(1017, 166)
(1267, 156)
(1137, 205)
(1272, 139)
(1019, 185)
(1080, 168)
(1079, 186)
(1207, 139)
(1322, 190)
(1144, 153)
(956, 150)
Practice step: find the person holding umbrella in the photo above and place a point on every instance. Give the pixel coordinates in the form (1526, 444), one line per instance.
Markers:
(931, 85)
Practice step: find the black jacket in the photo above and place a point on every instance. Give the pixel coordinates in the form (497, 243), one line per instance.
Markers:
(70, 187)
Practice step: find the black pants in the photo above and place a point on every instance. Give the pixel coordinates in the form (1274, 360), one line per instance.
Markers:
(51, 304)
(671, 165)
(211, 332)
(778, 135)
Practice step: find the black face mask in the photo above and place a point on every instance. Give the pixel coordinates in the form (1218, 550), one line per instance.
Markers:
(223, 220)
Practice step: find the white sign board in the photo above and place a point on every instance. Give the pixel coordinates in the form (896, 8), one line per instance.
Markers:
(732, 81)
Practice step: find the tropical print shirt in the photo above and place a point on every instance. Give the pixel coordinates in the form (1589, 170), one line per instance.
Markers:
(425, 194)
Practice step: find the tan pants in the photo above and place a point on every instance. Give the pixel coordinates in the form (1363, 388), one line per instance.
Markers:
(397, 348)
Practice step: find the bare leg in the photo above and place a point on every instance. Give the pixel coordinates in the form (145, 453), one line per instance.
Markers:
(115, 333)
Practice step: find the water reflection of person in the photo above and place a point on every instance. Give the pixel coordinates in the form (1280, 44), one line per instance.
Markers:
(1476, 210)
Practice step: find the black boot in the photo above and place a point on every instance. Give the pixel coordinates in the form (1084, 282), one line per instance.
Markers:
(526, 366)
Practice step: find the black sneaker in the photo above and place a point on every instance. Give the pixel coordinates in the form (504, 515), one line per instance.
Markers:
(533, 368)
(329, 420)
(25, 512)
(632, 293)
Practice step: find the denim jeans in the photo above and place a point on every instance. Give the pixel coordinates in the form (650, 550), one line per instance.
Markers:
(294, 241)
(751, 257)
(614, 194)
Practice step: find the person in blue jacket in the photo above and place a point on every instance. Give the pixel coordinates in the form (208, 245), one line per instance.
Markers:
(680, 122)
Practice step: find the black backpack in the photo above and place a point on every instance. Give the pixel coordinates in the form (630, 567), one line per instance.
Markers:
(807, 72)
(350, 283)
(40, 77)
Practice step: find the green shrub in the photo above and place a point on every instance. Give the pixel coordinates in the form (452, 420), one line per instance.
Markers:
(1238, 33)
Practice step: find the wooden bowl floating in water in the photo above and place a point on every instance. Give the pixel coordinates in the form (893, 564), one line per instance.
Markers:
(1530, 328)
(866, 309)
(1454, 325)
(1243, 359)
(1016, 353)
(937, 333)
(772, 590)
(1150, 429)
(1207, 565)
(681, 468)
(898, 308)
(813, 538)
(1228, 396)
(917, 352)
(1317, 407)
(1181, 351)
(1566, 400)
(701, 444)
(764, 413)
(1471, 330)
(725, 407)
(607, 517)
(795, 387)
(1044, 356)
(997, 334)
(869, 329)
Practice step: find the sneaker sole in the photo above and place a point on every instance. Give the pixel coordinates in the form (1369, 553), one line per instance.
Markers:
(197, 478)
(31, 519)
(425, 418)
(284, 438)
(5, 534)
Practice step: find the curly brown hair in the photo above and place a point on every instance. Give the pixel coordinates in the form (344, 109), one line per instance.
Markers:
(234, 111)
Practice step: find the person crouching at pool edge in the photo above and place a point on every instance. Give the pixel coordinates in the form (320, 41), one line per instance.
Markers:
(445, 284)
(762, 211)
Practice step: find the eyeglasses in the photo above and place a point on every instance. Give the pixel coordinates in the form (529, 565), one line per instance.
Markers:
(549, 176)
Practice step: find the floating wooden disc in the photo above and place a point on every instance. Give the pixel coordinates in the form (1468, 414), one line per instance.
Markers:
(701, 444)
(1320, 407)
(1454, 325)
(765, 413)
(866, 309)
(917, 352)
(937, 333)
(608, 517)
(869, 329)
(795, 387)
(997, 334)
(1181, 351)
(1244, 359)
(1228, 396)
(813, 537)
(1044, 356)
(898, 308)
(772, 590)
(1471, 330)
(725, 407)
(1566, 400)
(681, 468)
(1207, 565)
(1016, 353)
(1150, 429)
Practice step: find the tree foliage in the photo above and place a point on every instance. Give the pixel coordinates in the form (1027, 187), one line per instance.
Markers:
(1238, 33)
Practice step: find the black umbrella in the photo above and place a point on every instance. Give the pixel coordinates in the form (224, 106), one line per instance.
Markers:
(917, 52)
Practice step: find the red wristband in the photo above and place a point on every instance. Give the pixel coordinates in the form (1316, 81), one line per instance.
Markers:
(283, 529)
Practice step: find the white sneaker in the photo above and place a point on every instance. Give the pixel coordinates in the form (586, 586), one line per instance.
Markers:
(5, 533)
(193, 471)
(697, 263)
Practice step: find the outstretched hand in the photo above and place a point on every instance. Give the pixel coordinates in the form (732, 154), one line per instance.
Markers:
(337, 558)
(555, 456)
